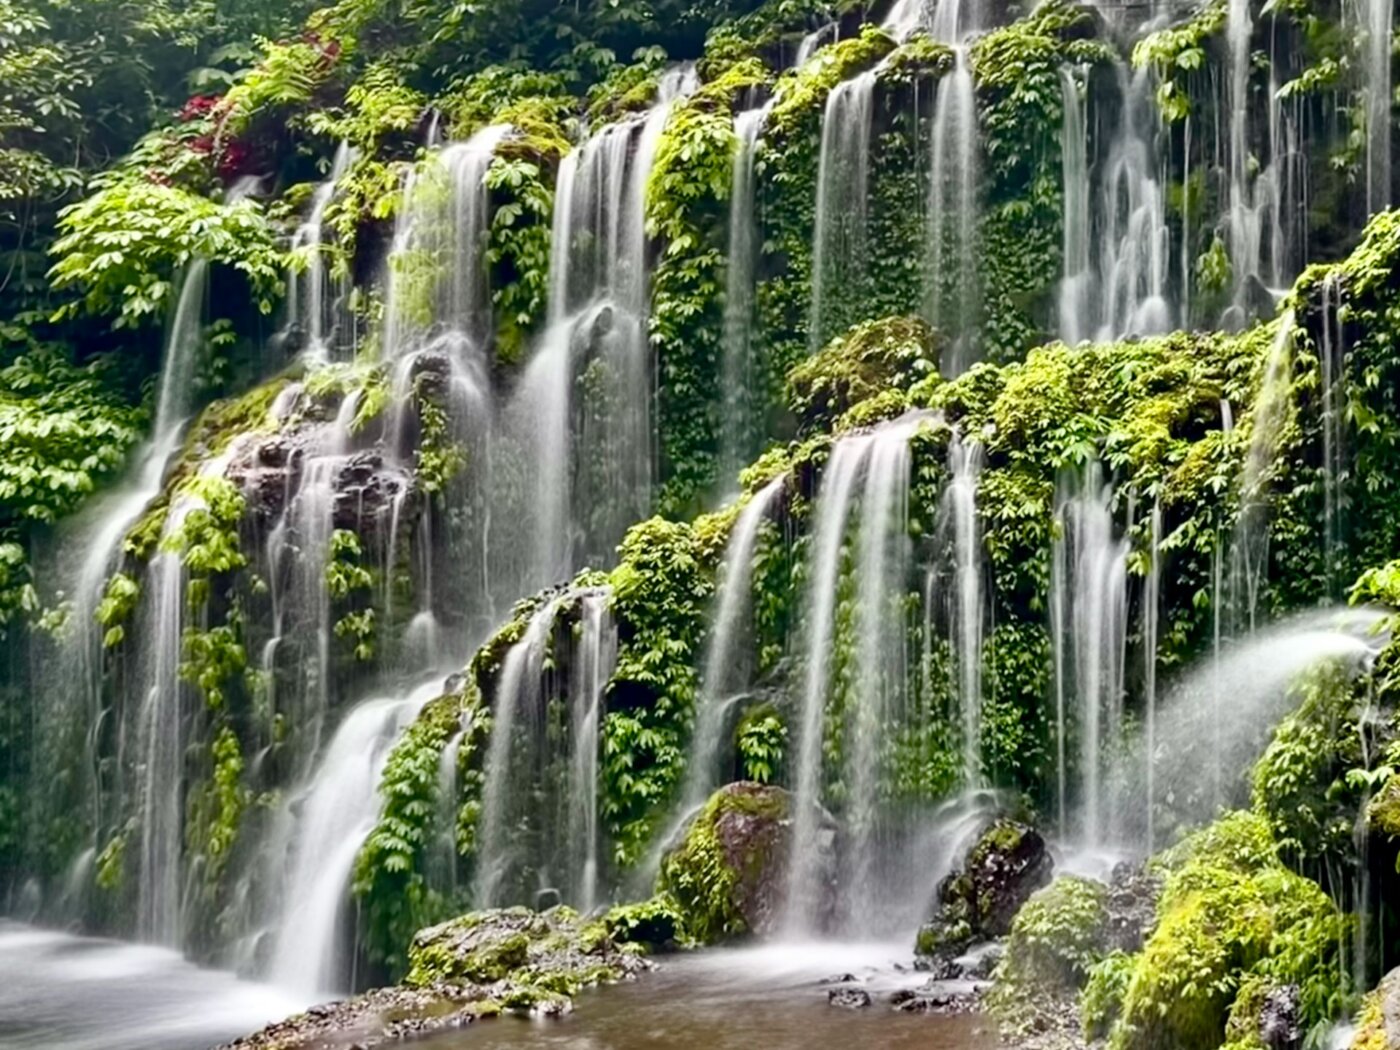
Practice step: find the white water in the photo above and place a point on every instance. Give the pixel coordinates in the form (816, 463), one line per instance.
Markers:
(314, 300)
(328, 821)
(876, 457)
(1378, 58)
(596, 657)
(1089, 605)
(61, 992)
(739, 407)
(966, 615)
(839, 246)
(952, 293)
(1075, 284)
(1332, 359)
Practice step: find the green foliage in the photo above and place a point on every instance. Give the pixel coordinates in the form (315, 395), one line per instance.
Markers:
(118, 603)
(123, 246)
(1229, 913)
(656, 923)
(700, 875)
(870, 359)
(1057, 938)
(661, 590)
(1176, 52)
(761, 742)
(390, 872)
(220, 808)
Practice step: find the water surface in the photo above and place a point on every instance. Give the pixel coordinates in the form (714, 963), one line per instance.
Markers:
(767, 998)
(62, 992)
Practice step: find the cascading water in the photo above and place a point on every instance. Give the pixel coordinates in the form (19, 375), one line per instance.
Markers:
(1379, 16)
(952, 293)
(1332, 359)
(843, 178)
(323, 831)
(544, 744)
(1151, 611)
(437, 273)
(739, 428)
(1075, 286)
(1089, 638)
(726, 670)
(1134, 248)
(316, 301)
(966, 612)
(594, 480)
(869, 471)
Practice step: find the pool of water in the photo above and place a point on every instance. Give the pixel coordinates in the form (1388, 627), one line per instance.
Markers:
(769, 998)
(61, 992)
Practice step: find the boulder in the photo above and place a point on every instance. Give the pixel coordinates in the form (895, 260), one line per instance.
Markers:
(728, 876)
(977, 902)
(477, 966)
(848, 998)
(1378, 1026)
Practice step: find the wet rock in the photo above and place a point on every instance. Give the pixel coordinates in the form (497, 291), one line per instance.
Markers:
(1008, 862)
(1378, 1025)
(848, 998)
(1132, 906)
(474, 967)
(839, 978)
(982, 964)
(939, 967)
(1281, 1018)
(729, 874)
(933, 1000)
(546, 899)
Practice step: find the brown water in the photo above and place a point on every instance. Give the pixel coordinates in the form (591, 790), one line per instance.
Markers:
(747, 999)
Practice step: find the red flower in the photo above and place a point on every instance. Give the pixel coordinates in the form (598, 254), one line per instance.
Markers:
(199, 106)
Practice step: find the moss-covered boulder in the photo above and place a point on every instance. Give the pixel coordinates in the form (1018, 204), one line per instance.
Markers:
(1378, 1025)
(476, 966)
(729, 874)
(1005, 866)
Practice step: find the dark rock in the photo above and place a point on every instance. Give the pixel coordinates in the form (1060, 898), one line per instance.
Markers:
(1281, 1018)
(932, 1000)
(848, 998)
(1008, 862)
(745, 832)
(839, 978)
(939, 967)
(546, 899)
(984, 963)
(1132, 906)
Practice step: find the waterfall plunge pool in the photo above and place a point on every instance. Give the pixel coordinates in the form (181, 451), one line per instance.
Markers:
(63, 992)
(772, 997)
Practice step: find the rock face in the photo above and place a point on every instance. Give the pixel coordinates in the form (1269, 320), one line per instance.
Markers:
(476, 966)
(729, 874)
(1004, 867)
(1378, 1027)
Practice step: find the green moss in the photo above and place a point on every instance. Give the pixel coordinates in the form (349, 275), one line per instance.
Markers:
(655, 924)
(701, 875)
(876, 358)
(1230, 913)
(1058, 936)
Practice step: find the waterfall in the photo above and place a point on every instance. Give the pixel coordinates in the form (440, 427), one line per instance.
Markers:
(1273, 407)
(1379, 54)
(965, 618)
(1074, 305)
(1332, 357)
(954, 21)
(740, 407)
(1151, 612)
(536, 753)
(906, 17)
(175, 400)
(314, 301)
(438, 278)
(818, 38)
(160, 730)
(879, 457)
(597, 655)
(593, 480)
(843, 178)
(726, 669)
(952, 290)
(1089, 606)
(1134, 250)
(329, 821)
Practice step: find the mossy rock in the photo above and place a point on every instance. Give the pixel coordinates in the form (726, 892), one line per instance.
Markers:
(1383, 815)
(1378, 1024)
(1004, 867)
(728, 875)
